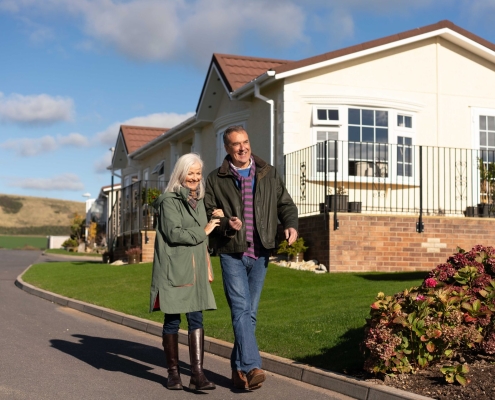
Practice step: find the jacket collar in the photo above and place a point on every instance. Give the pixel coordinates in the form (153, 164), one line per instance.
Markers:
(225, 167)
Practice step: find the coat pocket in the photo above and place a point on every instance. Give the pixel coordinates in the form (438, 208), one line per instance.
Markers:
(181, 269)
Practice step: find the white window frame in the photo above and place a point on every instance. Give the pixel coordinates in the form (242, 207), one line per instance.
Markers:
(327, 122)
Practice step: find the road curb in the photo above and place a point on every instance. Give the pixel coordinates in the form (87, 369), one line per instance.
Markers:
(346, 385)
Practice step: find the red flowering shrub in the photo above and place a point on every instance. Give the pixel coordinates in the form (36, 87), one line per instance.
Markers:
(451, 314)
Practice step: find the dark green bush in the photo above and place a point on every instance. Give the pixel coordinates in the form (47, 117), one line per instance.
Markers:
(10, 205)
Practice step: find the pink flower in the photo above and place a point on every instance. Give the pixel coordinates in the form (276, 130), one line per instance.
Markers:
(430, 282)
(420, 297)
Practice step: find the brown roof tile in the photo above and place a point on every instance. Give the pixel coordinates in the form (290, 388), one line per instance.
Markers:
(239, 70)
(137, 136)
(380, 42)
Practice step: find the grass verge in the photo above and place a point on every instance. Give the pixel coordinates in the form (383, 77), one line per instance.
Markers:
(314, 319)
(23, 242)
(64, 252)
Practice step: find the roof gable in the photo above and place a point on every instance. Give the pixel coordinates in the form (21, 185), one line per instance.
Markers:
(137, 136)
(237, 71)
(443, 28)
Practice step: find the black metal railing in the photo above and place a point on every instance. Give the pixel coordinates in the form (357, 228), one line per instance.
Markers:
(133, 211)
(390, 178)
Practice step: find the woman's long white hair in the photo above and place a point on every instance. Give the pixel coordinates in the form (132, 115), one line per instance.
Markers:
(179, 174)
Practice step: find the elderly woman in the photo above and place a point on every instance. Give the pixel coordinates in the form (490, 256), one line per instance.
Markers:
(181, 268)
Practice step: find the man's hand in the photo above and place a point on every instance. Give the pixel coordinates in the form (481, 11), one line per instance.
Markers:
(290, 235)
(235, 223)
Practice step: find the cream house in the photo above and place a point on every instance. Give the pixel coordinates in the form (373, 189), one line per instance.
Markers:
(379, 101)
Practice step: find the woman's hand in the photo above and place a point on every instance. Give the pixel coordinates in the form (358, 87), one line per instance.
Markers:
(210, 226)
(218, 213)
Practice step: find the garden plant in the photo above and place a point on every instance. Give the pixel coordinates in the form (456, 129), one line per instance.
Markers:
(446, 321)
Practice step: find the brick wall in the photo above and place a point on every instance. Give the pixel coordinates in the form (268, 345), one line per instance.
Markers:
(390, 243)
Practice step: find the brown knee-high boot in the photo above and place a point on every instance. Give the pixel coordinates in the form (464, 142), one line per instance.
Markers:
(196, 353)
(171, 348)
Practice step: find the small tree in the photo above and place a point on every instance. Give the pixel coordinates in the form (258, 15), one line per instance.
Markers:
(77, 227)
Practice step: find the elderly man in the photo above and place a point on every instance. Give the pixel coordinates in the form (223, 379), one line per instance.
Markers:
(253, 198)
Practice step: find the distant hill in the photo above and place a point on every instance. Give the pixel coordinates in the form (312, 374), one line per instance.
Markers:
(26, 215)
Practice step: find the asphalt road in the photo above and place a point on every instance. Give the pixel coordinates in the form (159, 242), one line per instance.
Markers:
(53, 352)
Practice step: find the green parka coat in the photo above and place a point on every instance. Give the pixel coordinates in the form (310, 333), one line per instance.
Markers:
(181, 264)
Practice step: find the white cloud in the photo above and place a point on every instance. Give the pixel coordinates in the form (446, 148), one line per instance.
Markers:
(29, 147)
(35, 109)
(61, 182)
(159, 120)
(101, 165)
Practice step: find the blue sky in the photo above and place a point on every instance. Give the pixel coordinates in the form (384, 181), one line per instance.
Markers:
(72, 71)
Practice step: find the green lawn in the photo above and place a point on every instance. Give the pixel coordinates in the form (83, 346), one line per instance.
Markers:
(23, 242)
(70, 253)
(314, 319)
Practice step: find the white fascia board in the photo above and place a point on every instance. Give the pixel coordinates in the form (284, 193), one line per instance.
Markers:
(248, 88)
(176, 130)
(446, 33)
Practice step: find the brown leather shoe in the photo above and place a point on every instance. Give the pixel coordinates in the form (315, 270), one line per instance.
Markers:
(239, 380)
(255, 378)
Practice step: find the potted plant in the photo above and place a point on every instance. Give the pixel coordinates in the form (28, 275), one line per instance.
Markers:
(133, 255)
(295, 252)
(338, 201)
(148, 196)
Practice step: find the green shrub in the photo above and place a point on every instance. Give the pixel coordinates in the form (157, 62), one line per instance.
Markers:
(449, 317)
(10, 205)
(70, 243)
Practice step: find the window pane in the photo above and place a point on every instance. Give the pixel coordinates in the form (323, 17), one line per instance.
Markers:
(368, 135)
(381, 135)
(399, 169)
(321, 136)
(408, 122)
(408, 141)
(482, 122)
(400, 120)
(491, 123)
(400, 152)
(320, 166)
(408, 171)
(400, 140)
(491, 139)
(352, 150)
(408, 154)
(322, 114)
(333, 115)
(382, 152)
(354, 116)
(354, 134)
(368, 117)
(483, 138)
(320, 150)
(332, 136)
(382, 118)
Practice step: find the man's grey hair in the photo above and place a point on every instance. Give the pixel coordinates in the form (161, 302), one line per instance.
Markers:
(229, 130)
(179, 174)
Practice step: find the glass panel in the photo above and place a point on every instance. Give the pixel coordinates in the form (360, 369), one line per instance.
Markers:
(408, 141)
(354, 134)
(354, 116)
(368, 117)
(381, 135)
(400, 120)
(491, 123)
(408, 171)
(408, 122)
(322, 114)
(400, 152)
(321, 136)
(333, 115)
(368, 135)
(399, 169)
(482, 122)
(400, 140)
(367, 151)
(482, 138)
(332, 136)
(320, 165)
(320, 150)
(491, 139)
(408, 154)
(382, 152)
(352, 150)
(381, 118)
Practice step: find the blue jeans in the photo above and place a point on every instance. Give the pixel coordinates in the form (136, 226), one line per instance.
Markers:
(243, 279)
(172, 321)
